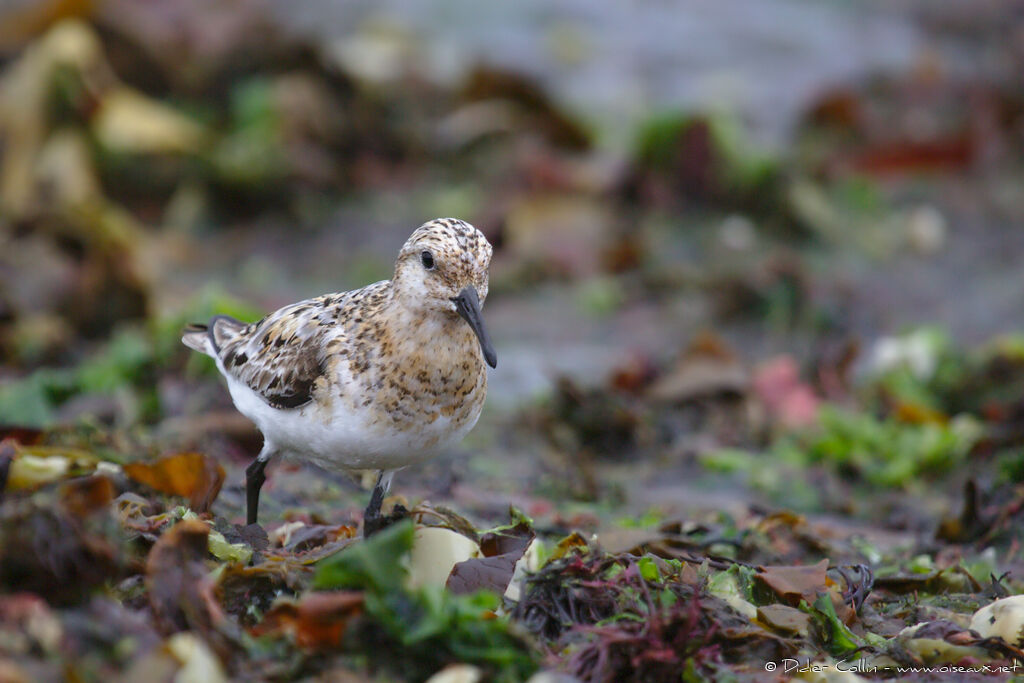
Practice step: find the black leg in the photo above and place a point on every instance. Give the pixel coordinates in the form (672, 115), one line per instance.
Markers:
(372, 520)
(254, 478)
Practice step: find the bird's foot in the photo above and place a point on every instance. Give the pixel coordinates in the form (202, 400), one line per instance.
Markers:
(378, 522)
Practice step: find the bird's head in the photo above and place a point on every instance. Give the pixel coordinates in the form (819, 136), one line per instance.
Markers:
(443, 267)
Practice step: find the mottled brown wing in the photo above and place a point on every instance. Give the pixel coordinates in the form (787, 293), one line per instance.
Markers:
(280, 357)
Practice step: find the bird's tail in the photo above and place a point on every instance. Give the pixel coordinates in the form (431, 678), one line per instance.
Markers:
(210, 338)
(196, 337)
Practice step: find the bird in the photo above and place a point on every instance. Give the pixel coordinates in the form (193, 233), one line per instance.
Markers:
(377, 378)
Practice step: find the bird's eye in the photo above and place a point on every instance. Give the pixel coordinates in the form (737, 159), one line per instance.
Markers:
(427, 259)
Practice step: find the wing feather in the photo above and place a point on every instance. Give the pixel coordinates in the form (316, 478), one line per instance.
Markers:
(280, 357)
(283, 356)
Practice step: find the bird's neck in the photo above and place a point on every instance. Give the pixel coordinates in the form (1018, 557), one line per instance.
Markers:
(443, 335)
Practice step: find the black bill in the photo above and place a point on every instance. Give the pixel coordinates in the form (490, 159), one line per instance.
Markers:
(467, 303)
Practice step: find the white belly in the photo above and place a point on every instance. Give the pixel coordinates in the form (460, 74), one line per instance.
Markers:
(345, 437)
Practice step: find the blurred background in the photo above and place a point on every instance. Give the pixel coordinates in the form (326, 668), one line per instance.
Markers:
(768, 250)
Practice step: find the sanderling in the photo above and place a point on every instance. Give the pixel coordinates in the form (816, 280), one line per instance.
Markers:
(373, 379)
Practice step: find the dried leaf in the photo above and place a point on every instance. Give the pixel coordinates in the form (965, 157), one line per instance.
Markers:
(502, 550)
(252, 535)
(82, 497)
(65, 167)
(314, 554)
(175, 572)
(190, 475)
(484, 573)
(571, 543)
(793, 584)
(311, 536)
(505, 541)
(784, 618)
(317, 622)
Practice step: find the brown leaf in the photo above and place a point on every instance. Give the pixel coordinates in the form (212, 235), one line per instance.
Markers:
(482, 573)
(175, 574)
(313, 554)
(690, 575)
(253, 535)
(317, 622)
(571, 543)
(502, 550)
(795, 583)
(784, 618)
(942, 629)
(313, 536)
(514, 540)
(190, 475)
(82, 497)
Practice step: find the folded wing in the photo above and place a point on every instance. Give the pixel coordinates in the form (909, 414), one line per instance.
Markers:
(280, 357)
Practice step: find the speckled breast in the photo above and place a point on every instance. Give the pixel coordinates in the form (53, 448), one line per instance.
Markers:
(429, 393)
